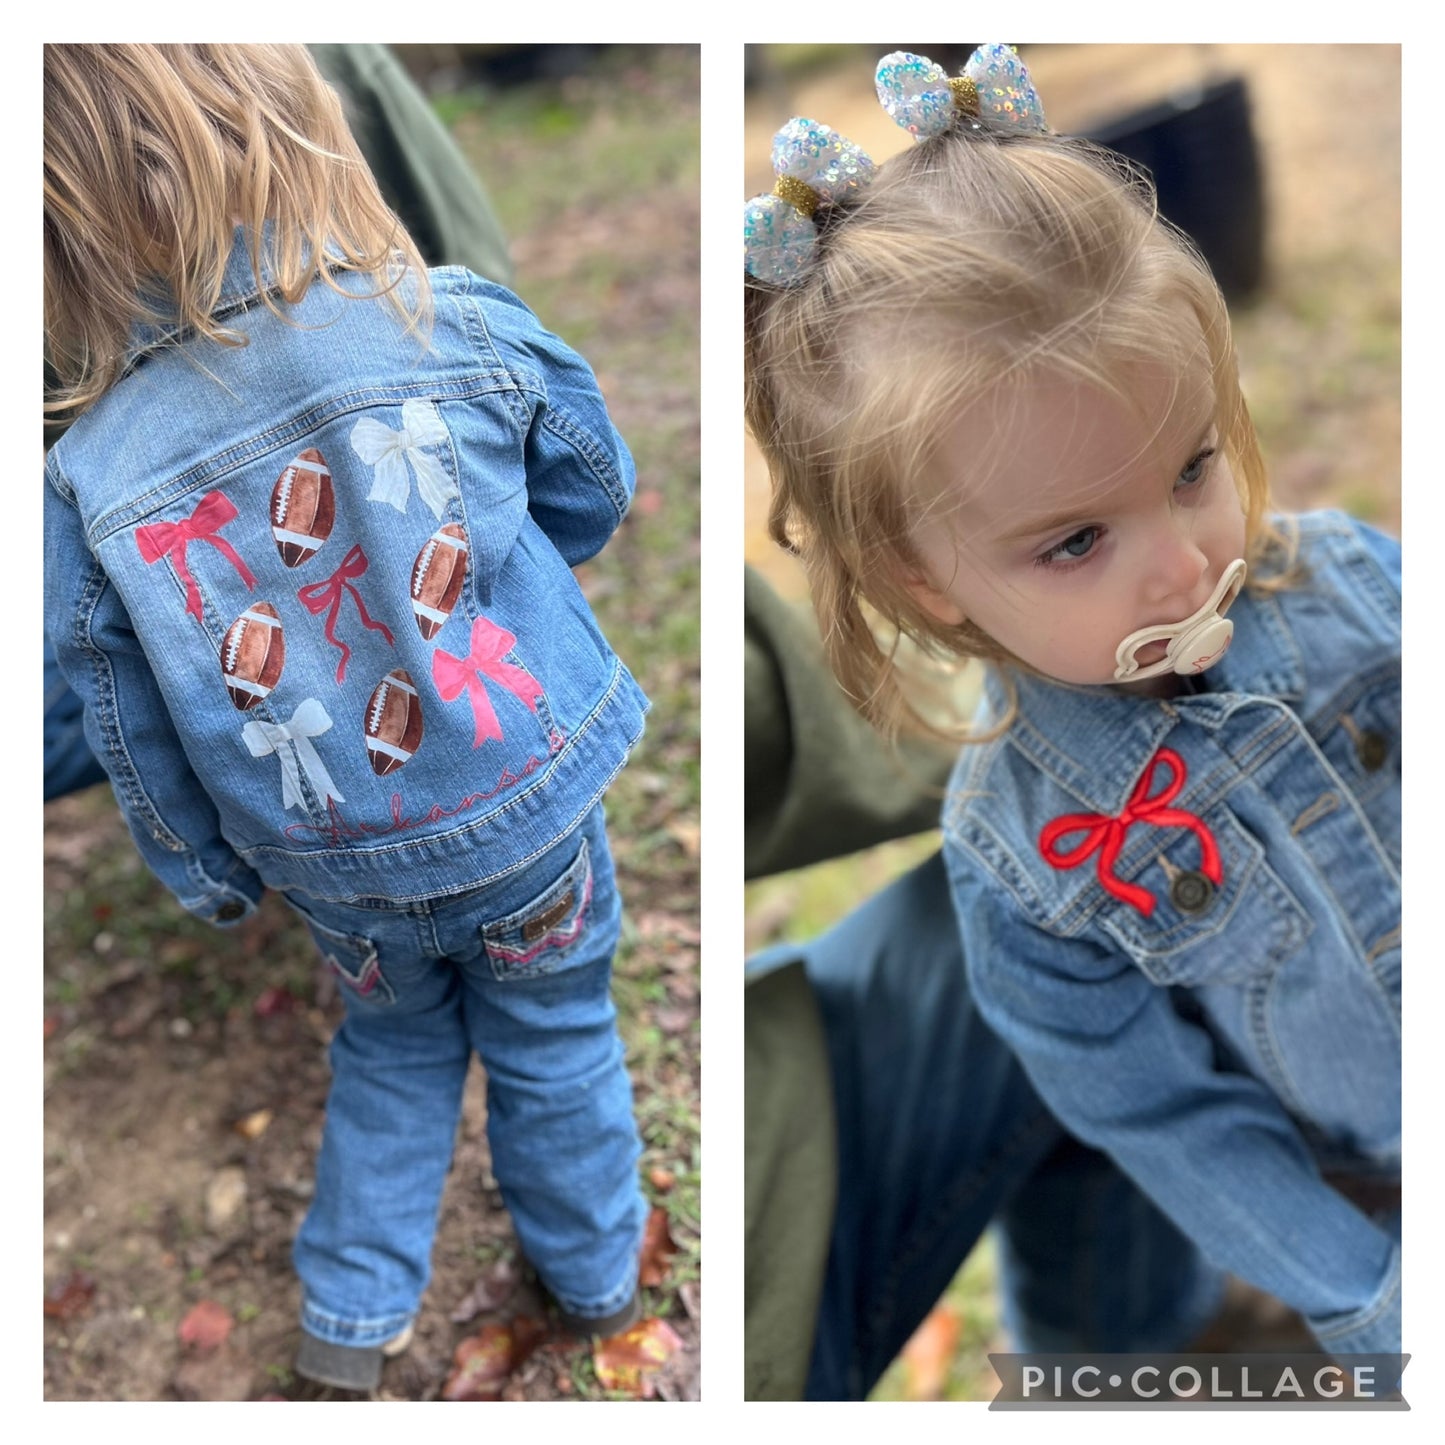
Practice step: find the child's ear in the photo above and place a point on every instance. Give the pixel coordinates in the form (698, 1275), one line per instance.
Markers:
(938, 605)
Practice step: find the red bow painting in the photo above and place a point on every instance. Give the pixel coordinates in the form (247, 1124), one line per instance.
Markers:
(319, 596)
(171, 539)
(1106, 835)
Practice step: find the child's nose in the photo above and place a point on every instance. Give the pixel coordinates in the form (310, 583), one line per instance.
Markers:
(1177, 566)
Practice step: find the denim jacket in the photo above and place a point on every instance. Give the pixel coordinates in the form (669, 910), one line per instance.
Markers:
(1184, 917)
(315, 593)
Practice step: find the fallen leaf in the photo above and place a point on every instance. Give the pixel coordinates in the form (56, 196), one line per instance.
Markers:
(273, 1001)
(657, 1249)
(52, 1022)
(928, 1356)
(492, 1290)
(72, 1297)
(253, 1125)
(629, 1362)
(647, 502)
(661, 1179)
(483, 1361)
(206, 1326)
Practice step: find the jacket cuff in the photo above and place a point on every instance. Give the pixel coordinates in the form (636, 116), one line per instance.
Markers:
(1373, 1330)
(224, 901)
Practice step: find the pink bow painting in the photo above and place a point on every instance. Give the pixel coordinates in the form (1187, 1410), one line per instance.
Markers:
(455, 675)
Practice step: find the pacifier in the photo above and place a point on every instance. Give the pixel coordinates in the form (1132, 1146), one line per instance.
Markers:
(1194, 644)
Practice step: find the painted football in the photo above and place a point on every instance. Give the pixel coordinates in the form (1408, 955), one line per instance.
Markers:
(303, 507)
(436, 578)
(253, 652)
(393, 723)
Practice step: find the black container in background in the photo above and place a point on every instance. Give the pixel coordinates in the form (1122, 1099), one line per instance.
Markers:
(1199, 147)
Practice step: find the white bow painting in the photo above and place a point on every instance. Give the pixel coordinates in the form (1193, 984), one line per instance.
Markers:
(390, 452)
(291, 742)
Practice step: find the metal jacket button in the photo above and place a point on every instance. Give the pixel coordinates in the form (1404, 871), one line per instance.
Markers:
(1372, 750)
(1191, 892)
(230, 911)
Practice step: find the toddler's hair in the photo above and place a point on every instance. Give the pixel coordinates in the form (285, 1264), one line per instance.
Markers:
(970, 261)
(154, 153)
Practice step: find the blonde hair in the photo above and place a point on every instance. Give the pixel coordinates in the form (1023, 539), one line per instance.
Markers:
(969, 259)
(154, 153)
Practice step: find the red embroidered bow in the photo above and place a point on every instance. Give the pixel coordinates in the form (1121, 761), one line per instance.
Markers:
(162, 538)
(1107, 834)
(318, 596)
(453, 675)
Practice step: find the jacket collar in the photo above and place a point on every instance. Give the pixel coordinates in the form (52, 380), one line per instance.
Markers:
(239, 289)
(1096, 741)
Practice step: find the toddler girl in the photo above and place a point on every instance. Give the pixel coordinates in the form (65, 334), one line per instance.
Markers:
(1000, 404)
(307, 564)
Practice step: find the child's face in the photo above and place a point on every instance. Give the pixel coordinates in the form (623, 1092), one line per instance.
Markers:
(1070, 518)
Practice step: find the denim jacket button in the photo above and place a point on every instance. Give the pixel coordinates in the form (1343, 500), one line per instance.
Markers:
(1372, 750)
(1191, 892)
(230, 911)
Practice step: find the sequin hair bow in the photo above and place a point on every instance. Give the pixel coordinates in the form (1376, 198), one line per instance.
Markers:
(994, 93)
(813, 165)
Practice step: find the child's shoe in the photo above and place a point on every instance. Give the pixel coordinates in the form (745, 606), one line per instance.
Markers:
(601, 1327)
(347, 1367)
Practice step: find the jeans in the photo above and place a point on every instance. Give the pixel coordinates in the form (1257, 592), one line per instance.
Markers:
(939, 1133)
(519, 972)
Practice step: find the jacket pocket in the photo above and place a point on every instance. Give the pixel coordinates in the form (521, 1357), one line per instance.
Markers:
(1201, 932)
(1362, 743)
(544, 936)
(352, 957)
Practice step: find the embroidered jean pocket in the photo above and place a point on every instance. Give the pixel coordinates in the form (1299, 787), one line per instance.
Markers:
(543, 937)
(1202, 932)
(352, 958)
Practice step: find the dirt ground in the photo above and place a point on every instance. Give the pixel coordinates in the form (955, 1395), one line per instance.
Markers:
(179, 1159)
(185, 1069)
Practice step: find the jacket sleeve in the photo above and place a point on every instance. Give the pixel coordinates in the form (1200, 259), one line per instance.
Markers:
(580, 475)
(172, 819)
(1126, 1072)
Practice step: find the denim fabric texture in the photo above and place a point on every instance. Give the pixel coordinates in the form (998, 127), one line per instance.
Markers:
(159, 537)
(252, 669)
(939, 1134)
(1240, 1037)
(517, 971)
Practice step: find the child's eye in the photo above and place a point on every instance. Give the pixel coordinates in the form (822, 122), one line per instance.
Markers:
(1195, 470)
(1071, 549)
